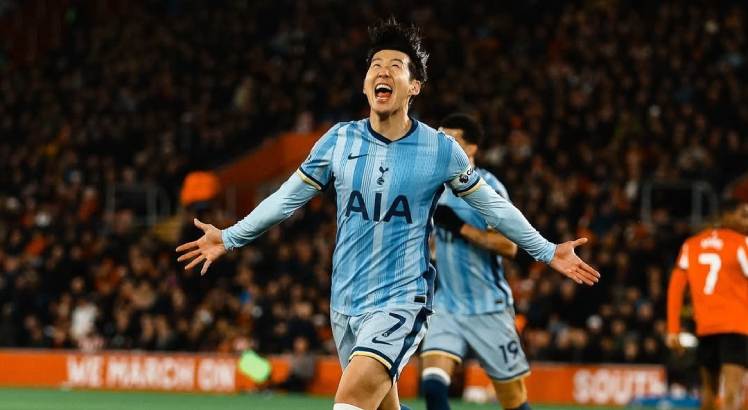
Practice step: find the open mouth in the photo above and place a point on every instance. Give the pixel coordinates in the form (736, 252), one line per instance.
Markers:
(382, 92)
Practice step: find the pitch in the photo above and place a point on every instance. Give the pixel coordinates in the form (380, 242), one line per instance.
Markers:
(30, 399)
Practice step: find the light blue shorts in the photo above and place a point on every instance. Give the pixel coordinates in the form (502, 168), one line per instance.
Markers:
(492, 336)
(390, 336)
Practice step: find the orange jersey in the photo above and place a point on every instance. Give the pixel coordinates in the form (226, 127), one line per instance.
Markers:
(714, 264)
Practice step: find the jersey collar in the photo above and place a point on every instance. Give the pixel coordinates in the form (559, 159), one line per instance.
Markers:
(380, 137)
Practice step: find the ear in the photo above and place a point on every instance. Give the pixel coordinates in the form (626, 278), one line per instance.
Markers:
(415, 87)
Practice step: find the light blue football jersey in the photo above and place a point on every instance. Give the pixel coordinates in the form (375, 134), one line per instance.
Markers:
(387, 192)
(470, 279)
(386, 195)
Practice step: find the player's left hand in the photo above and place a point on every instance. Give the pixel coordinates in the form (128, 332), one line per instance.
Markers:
(208, 248)
(568, 263)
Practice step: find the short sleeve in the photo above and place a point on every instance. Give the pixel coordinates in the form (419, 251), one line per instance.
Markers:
(683, 257)
(461, 176)
(743, 257)
(316, 170)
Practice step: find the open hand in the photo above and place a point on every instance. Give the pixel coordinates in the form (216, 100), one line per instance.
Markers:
(208, 248)
(568, 263)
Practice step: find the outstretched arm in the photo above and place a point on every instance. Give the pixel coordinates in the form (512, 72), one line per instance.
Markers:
(501, 215)
(314, 174)
(276, 208)
(489, 240)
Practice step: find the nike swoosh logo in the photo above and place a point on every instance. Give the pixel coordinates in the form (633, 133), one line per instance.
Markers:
(381, 342)
(357, 156)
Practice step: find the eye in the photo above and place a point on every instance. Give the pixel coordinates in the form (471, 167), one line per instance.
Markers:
(375, 65)
(396, 65)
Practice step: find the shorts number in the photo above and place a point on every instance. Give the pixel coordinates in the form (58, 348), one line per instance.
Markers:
(509, 348)
(715, 263)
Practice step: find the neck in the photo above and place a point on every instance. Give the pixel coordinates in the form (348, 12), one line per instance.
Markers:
(392, 126)
(472, 161)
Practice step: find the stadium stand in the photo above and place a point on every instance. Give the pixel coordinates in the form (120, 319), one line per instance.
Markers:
(583, 104)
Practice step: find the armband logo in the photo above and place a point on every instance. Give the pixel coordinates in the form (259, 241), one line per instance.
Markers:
(464, 178)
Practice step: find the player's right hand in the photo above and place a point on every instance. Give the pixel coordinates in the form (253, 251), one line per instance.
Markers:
(672, 341)
(208, 248)
(446, 218)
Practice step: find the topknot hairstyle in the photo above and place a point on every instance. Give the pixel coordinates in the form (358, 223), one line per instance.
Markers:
(389, 34)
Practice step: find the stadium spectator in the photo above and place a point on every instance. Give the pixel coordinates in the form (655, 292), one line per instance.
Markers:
(302, 367)
(583, 103)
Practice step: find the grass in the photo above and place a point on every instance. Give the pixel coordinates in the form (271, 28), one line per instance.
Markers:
(32, 399)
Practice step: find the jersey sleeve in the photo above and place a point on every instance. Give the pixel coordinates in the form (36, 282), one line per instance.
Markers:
(316, 170)
(276, 208)
(501, 215)
(676, 287)
(683, 257)
(743, 257)
(461, 176)
(497, 186)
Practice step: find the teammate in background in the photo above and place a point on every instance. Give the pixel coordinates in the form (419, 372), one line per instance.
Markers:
(388, 171)
(473, 305)
(714, 265)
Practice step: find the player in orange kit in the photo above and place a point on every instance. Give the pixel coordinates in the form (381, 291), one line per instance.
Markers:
(714, 263)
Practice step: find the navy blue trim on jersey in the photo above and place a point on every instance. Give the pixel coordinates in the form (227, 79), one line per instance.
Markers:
(431, 271)
(328, 184)
(497, 278)
(430, 276)
(374, 351)
(313, 179)
(380, 137)
(423, 314)
(468, 188)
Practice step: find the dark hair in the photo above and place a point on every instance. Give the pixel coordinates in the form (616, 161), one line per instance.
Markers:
(472, 132)
(391, 35)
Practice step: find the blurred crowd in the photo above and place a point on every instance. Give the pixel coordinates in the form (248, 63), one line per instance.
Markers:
(582, 104)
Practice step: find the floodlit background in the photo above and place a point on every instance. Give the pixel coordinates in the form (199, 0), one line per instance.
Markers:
(623, 121)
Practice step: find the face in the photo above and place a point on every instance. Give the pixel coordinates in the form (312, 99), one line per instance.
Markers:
(388, 84)
(458, 134)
